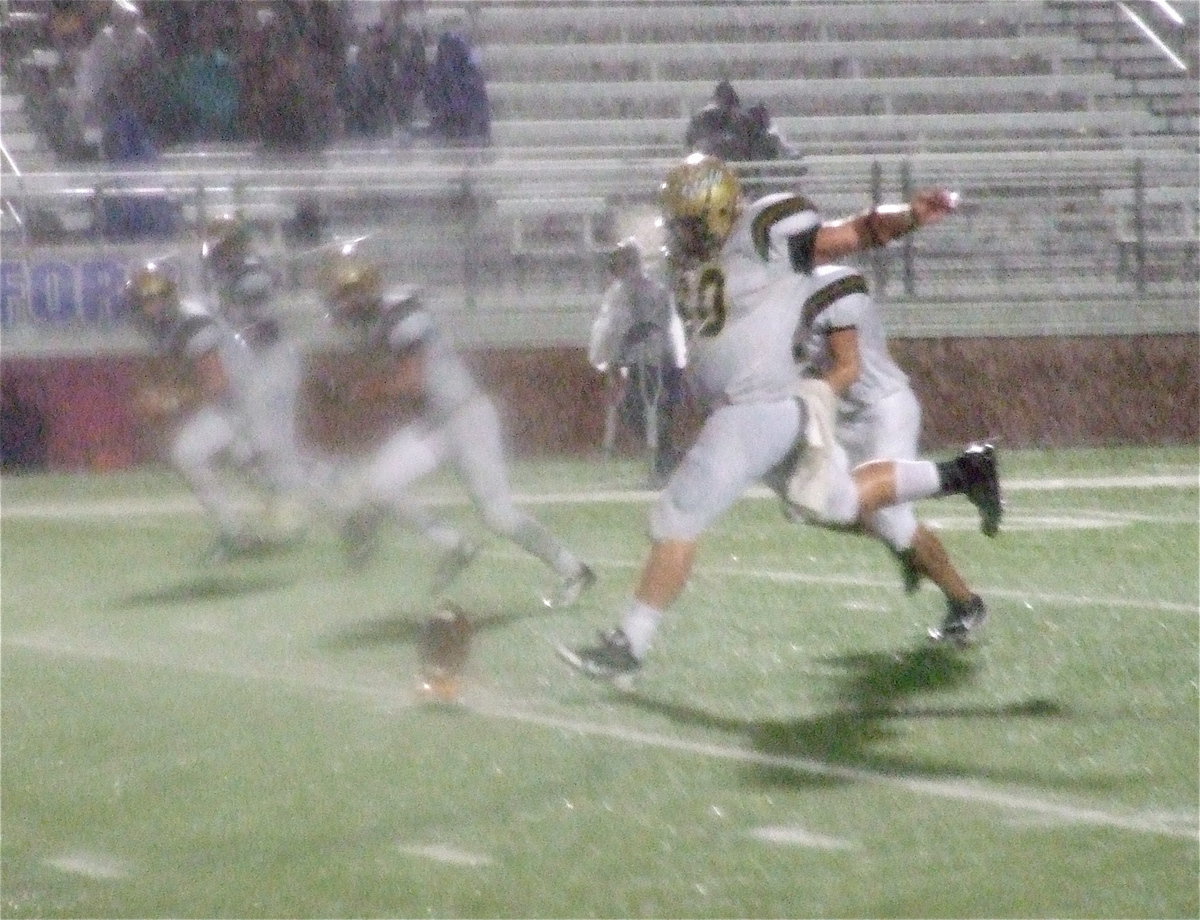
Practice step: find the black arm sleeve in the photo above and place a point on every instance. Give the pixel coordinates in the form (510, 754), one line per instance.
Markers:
(800, 250)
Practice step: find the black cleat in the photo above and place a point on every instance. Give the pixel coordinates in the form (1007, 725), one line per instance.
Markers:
(231, 546)
(612, 660)
(963, 622)
(571, 588)
(982, 485)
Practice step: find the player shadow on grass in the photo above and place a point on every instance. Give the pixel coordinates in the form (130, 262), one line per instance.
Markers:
(204, 588)
(403, 627)
(875, 692)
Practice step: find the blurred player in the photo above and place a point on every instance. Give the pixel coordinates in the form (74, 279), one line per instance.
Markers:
(458, 424)
(246, 297)
(638, 343)
(200, 388)
(742, 276)
(841, 340)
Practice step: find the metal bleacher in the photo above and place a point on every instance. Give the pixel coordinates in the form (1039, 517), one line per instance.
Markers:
(1067, 173)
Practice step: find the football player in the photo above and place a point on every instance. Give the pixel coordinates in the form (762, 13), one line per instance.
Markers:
(245, 297)
(841, 340)
(743, 273)
(200, 384)
(457, 424)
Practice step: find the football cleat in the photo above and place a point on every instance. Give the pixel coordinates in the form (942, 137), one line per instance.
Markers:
(571, 588)
(230, 546)
(452, 565)
(443, 646)
(611, 660)
(978, 465)
(963, 621)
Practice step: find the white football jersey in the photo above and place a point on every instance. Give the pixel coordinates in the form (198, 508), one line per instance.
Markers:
(196, 332)
(448, 383)
(742, 308)
(840, 299)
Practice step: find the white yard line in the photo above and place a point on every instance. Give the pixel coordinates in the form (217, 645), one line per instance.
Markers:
(180, 503)
(789, 576)
(324, 682)
(801, 837)
(90, 865)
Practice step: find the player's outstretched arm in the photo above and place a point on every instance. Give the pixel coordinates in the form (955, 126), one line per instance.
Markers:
(880, 225)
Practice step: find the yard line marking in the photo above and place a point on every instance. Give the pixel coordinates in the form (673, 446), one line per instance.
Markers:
(965, 791)
(446, 854)
(1056, 484)
(181, 503)
(323, 680)
(116, 507)
(856, 581)
(90, 865)
(1076, 600)
(798, 836)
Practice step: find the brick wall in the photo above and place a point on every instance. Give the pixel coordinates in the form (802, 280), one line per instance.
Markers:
(1023, 392)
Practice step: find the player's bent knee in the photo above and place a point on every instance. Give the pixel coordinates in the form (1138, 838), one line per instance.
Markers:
(670, 521)
(896, 526)
(503, 520)
(840, 508)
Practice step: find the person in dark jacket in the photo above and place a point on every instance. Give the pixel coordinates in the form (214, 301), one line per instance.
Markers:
(455, 94)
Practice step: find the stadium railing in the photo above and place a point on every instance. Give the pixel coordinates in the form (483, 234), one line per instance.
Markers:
(511, 247)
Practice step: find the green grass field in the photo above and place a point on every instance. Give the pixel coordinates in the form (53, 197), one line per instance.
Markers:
(247, 740)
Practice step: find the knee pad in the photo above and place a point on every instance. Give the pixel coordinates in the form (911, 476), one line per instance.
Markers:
(841, 506)
(839, 497)
(502, 518)
(896, 526)
(684, 509)
(200, 440)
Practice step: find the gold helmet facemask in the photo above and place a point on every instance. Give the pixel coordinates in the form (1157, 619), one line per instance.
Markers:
(700, 201)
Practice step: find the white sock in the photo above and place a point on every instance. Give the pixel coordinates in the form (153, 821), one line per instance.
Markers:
(639, 625)
(916, 479)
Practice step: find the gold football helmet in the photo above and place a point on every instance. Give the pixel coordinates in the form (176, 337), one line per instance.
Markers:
(625, 257)
(226, 238)
(153, 297)
(701, 200)
(354, 288)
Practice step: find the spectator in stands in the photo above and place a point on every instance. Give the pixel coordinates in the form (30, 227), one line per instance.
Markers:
(51, 78)
(722, 128)
(127, 140)
(459, 109)
(284, 95)
(365, 93)
(207, 94)
(406, 40)
(122, 49)
(325, 29)
(726, 129)
(765, 141)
